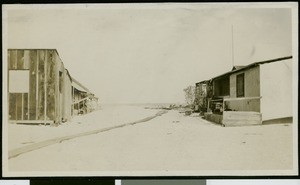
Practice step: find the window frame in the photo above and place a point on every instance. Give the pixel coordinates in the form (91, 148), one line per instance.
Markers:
(240, 89)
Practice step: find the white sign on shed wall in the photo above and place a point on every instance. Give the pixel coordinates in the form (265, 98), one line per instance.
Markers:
(18, 81)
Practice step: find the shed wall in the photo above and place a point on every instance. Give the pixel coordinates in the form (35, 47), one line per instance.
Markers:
(252, 82)
(67, 113)
(276, 90)
(251, 89)
(41, 102)
(38, 102)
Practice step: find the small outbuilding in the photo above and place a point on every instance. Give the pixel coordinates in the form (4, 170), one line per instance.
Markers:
(258, 93)
(40, 89)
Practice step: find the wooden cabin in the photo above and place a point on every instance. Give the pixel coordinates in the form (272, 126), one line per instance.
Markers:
(254, 94)
(40, 89)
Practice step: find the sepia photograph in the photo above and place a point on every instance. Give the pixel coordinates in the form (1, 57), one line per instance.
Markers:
(150, 89)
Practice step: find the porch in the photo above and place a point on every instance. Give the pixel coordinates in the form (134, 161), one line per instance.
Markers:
(235, 111)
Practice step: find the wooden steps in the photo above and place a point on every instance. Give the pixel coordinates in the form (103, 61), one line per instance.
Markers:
(241, 118)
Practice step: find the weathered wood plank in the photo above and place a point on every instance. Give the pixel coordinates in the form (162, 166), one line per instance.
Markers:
(45, 86)
(28, 109)
(22, 107)
(37, 87)
(57, 98)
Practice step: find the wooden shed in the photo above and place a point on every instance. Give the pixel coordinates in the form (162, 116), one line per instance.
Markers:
(258, 93)
(40, 89)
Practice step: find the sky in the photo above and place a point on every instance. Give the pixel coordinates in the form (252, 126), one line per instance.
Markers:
(149, 53)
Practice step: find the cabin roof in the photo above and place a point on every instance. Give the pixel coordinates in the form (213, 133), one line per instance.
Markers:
(240, 68)
(237, 67)
(79, 86)
(204, 81)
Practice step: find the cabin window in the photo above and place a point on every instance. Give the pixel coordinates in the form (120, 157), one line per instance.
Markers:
(240, 85)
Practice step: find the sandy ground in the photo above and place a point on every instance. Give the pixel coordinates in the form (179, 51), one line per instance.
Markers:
(171, 142)
(107, 116)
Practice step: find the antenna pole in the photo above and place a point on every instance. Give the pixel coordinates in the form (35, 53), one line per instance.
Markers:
(232, 46)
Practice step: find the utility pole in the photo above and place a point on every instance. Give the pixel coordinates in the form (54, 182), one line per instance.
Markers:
(232, 46)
